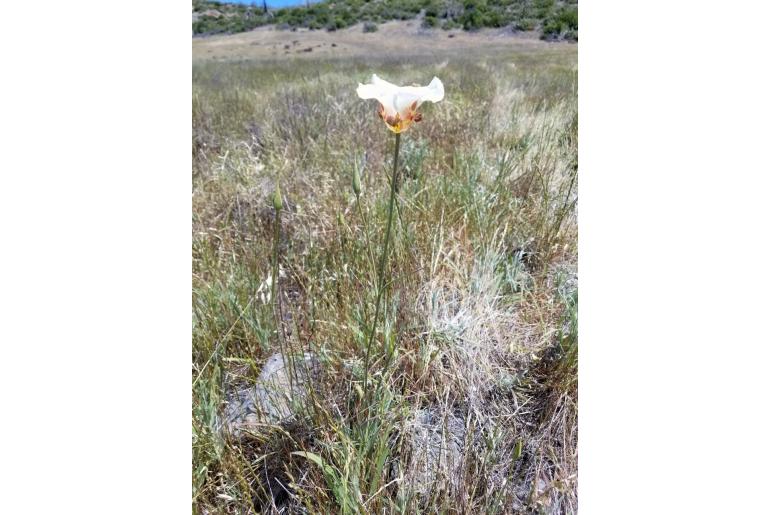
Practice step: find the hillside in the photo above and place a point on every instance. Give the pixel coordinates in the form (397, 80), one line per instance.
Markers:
(553, 19)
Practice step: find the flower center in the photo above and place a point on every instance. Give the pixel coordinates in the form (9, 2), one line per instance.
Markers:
(398, 124)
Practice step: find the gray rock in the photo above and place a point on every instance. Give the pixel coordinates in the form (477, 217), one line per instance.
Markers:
(279, 393)
(436, 443)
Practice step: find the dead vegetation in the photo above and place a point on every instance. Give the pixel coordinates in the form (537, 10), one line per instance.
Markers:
(472, 400)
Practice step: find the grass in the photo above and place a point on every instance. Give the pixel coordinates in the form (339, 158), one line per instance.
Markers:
(476, 349)
(555, 19)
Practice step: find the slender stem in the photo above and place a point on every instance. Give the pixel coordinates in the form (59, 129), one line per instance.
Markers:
(274, 294)
(383, 258)
(276, 237)
(366, 231)
(368, 252)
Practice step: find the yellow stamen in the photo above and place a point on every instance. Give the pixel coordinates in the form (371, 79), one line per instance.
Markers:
(397, 124)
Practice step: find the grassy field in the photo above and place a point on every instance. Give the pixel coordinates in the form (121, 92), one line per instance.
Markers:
(471, 399)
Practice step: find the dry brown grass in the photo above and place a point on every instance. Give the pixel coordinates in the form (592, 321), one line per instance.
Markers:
(474, 366)
(392, 38)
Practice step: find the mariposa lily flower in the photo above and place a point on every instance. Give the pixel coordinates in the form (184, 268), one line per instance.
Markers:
(399, 104)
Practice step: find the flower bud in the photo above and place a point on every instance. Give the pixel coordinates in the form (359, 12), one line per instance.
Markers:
(277, 201)
(356, 181)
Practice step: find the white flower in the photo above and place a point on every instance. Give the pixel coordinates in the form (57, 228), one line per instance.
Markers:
(399, 104)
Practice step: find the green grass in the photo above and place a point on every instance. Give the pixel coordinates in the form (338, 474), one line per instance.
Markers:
(554, 19)
(478, 319)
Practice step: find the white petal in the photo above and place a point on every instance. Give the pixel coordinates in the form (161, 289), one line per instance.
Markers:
(379, 89)
(383, 83)
(406, 96)
(374, 89)
(396, 99)
(435, 91)
(367, 91)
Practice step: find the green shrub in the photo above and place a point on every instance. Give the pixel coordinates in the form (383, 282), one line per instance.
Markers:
(563, 23)
(552, 29)
(524, 24)
(210, 25)
(543, 8)
(450, 24)
(568, 16)
(558, 19)
(432, 11)
(493, 19)
(471, 19)
(337, 23)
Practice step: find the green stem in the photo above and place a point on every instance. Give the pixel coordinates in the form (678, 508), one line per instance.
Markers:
(274, 295)
(366, 231)
(276, 237)
(383, 258)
